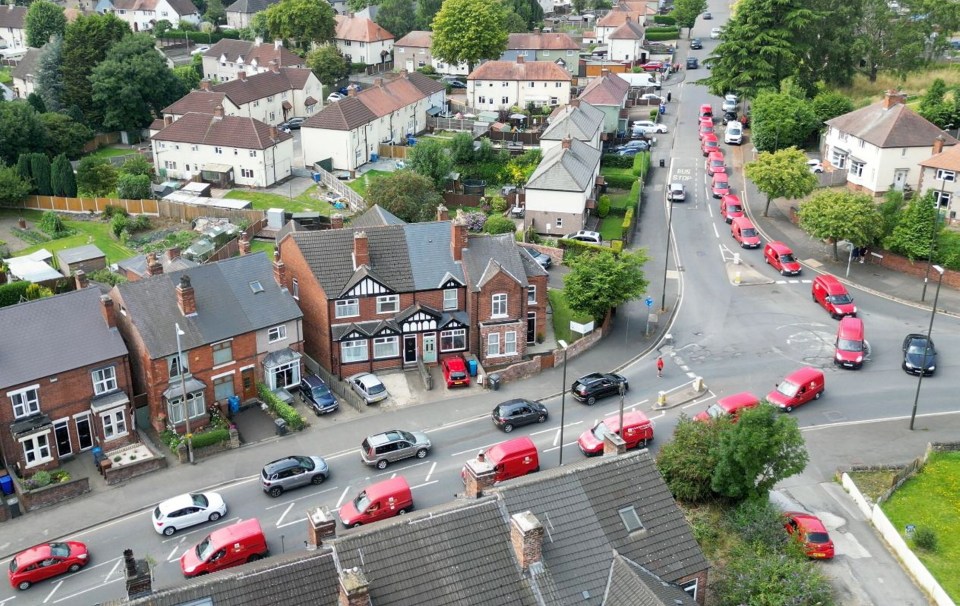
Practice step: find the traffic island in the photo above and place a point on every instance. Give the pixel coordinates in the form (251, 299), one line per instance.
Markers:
(683, 394)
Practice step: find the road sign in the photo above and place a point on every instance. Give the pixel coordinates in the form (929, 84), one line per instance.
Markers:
(649, 302)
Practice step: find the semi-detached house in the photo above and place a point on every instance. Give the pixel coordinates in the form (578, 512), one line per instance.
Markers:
(497, 85)
(412, 52)
(563, 188)
(361, 40)
(142, 15)
(228, 58)
(559, 48)
(13, 31)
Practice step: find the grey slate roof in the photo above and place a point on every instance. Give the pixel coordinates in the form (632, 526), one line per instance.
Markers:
(897, 126)
(487, 255)
(581, 122)
(608, 89)
(250, 6)
(138, 264)
(374, 216)
(80, 253)
(34, 345)
(632, 585)
(226, 304)
(29, 64)
(566, 169)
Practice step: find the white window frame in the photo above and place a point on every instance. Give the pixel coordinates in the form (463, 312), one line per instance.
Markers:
(493, 345)
(277, 333)
(114, 423)
(28, 403)
(184, 365)
(281, 370)
(510, 343)
(388, 304)
(386, 347)
(856, 168)
(838, 158)
(296, 289)
(941, 199)
(104, 380)
(532, 294)
(499, 305)
(354, 348)
(39, 443)
(346, 308)
(948, 176)
(453, 336)
(195, 406)
(451, 299)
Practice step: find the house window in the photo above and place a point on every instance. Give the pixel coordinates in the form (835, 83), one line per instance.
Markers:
(856, 167)
(285, 375)
(296, 289)
(450, 299)
(253, 153)
(532, 294)
(104, 380)
(169, 165)
(453, 340)
(222, 352)
(504, 84)
(481, 100)
(174, 365)
(838, 158)
(246, 173)
(223, 388)
(26, 402)
(946, 175)
(194, 147)
(554, 101)
(386, 347)
(36, 449)
(114, 424)
(505, 100)
(493, 344)
(559, 222)
(346, 308)
(270, 99)
(558, 85)
(218, 150)
(691, 588)
(942, 198)
(353, 351)
(195, 407)
(498, 308)
(388, 304)
(533, 84)
(510, 343)
(277, 333)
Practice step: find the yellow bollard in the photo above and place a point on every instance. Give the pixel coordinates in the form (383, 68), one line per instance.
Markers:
(736, 278)
(661, 399)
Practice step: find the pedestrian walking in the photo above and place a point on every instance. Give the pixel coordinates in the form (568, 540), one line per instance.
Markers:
(660, 366)
(863, 253)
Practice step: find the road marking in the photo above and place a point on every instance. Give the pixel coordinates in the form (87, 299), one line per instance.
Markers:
(691, 375)
(220, 522)
(53, 591)
(556, 438)
(462, 422)
(284, 514)
(430, 473)
(700, 401)
(394, 472)
(343, 495)
(424, 484)
(73, 595)
(475, 449)
(4, 601)
(306, 496)
(176, 548)
(882, 420)
(557, 447)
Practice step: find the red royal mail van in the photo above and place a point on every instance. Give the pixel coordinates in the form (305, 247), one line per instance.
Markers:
(730, 207)
(378, 502)
(637, 432)
(225, 547)
(731, 406)
(513, 458)
(780, 257)
(833, 296)
(799, 387)
(851, 346)
(743, 231)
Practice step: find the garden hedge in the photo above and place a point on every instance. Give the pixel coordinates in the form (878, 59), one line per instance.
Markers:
(281, 408)
(619, 180)
(208, 438)
(10, 294)
(662, 35)
(665, 19)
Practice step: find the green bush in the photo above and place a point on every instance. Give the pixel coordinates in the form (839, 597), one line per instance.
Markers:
(641, 165)
(51, 224)
(603, 207)
(619, 180)
(634, 195)
(281, 408)
(427, 70)
(105, 276)
(209, 438)
(663, 35)
(171, 438)
(665, 19)
(41, 479)
(139, 223)
(615, 161)
(10, 294)
(498, 224)
(117, 224)
(654, 114)
(925, 538)
(110, 210)
(627, 222)
(498, 204)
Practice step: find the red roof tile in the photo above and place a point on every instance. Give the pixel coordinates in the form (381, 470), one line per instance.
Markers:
(228, 131)
(248, 51)
(362, 29)
(512, 70)
(555, 41)
(371, 103)
(196, 101)
(418, 39)
(264, 84)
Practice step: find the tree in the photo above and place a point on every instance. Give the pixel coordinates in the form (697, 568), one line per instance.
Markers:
(134, 84)
(21, 131)
(23, 168)
(916, 228)
(13, 187)
(161, 27)
(888, 40)
(215, 14)
(841, 215)
(687, 461)
(934, 106)
(137, 165)
(830, 51)
(781, 174)
(85, 44)
(44, 19)
(687, 11)
(758, 575)
(469, 31)
(133, 187)
(63, 180)
(599, 281)
(513, 23)
(95, 177)
(36, 102)
(431, 158)
(830, 104)
(763, 447)
(396, 17)
(426, 11)
(406, 194)
(356, 6)
(498, 224)
(49, 80)
(529, 11)
(579, 6)
(188, 76)
(64, 135)
(781, 120)
(461, 149)
(40, 173)
(301, 21)
(328, 64)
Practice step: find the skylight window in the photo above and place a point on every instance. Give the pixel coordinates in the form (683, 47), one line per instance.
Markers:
(630, 519)
(256, 287)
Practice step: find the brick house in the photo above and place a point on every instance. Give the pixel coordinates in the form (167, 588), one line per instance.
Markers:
(383, 294)
(64, 379)
(237, 328)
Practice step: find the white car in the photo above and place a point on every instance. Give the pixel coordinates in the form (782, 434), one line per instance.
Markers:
(815, 166)
(651, 97)
(188, 510)
(199, 50)
(729, 103)
(715, 33)
(334, 97)
(585, 236)
(649, 126)
(368, 387)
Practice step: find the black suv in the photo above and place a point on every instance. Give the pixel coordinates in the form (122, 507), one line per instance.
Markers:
(514, 413)
(315, 394)
(292, 472)
(597, 385)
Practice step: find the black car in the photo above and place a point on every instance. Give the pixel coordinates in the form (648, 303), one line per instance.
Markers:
(514, 413)
(729, 117)
(456, 84)
(919, 355)
(597, 385)
(542, 260)
(294, 123)
(315, 394)
(696, 44)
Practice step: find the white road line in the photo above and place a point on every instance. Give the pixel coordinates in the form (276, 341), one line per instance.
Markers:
(393, 472)
(691, 375)
(306, 496)
(475, 449)
(557, 447)
(716, 233)
(292, 522)
(284, 514)
(462, 422)
(73, 595)
(176, 548)
(700, 401)
(662, 414)
(343, 495)
(883, 420)
(556, 438)
(430, 473)
(205, 527)
(4, 601)
(53, 591)
(424, 484)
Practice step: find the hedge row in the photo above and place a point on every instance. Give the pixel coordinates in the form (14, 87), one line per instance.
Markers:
(10, 294)
(281, 408)
(665, 19)
(627, 221)
(661, 36)
(641, 164)
(662, 30)
(615, 161)
(211, 437)
(619, 180)
(201, 37)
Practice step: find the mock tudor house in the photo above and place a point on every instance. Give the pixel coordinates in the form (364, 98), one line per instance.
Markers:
(879, 145)
(350, 131)
(608, 93)
(579, 120)
(13, 31)
(241, 12)
(412, 52)
(142, 15)
(498, 85)
(232, 322)
(939, 174)
(383, 294)
(361, 40)
(559, 48)
(563, 188)
(227, 59)
(64, 378)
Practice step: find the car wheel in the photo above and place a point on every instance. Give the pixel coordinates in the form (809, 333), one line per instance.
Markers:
(507, 428)
(73, 568)
(382, 464)
(356, 525)
(214, 516)
(276, 491)
(766, 260)
(318, 479)
(541, 418)
(788, 408)
(626, 386)
(421, 453)
(401, 512)
(254, 557)
(168, 531)
(591, 401)
(23, 585)
(819, 393)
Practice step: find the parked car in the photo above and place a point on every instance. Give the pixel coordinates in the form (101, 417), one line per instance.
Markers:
(706, 111)
(730, 207)
(585, 236)
(381, 449)
(797, 388)
(707, 16)
(186, 510)
(734, 133)
(651, 98)
(730, 406)
(851, 343)
(45, 561)
(629, 152)
(677, 192)
(812, 534)
(715, 163)
(457, 84)
(334, 97)
(720, 185)
(708, 144)
(919, 355)
(696, 44)
(815, 166)
(225, 547)
(598, 385)
(649, 126)
(293, 124)
(715, 33)
(542, 259)
(638, 145)
(200, 50)
(378, 501)
(729, 103)
(780, 257)
(455, 372)
(315, 394)
(707, 128)
(368, 387)
(728, 117)
(832, 296)
(287, 473)
(517, 412)
(637, 432)
(652, 66)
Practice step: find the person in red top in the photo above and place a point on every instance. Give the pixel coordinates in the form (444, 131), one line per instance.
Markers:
(659, 366)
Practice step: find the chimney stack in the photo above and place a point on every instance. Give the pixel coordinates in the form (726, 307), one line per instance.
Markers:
(80, 277)
(575, 103)
(258, 41)
(526, 534)
(154, 267)
(274, 133)
(336, 221)
(279, 269)
(352, 90)
(354, 589)
(458, 235)
(938, 144)
(565, 144)
(442, 214)
(277, 44)
(106, 308)
(205, 85)
(892, 97)
(218, 111)
(173, 253)
(604, 72)
(275, 67)
(479, 474)
(138, 577)
(320, 525)
(613, 445)
(536, 31)
(520, 59)
(185, 298)
(361, 249)
(167, 121)
(244, 244)
(242, 76)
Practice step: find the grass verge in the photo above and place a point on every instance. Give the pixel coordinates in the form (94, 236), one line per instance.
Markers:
(562, 315)
(307, 201)
(87, 232)
(360, 184)
(872, 484)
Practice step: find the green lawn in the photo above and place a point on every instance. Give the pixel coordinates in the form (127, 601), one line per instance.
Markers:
(359, 184)
(111, 152)
(931, 499)
(562, 315)
(262, 246)
(619, 198)
(307, 201)
(88, 232)
(6, 75)
(611, 228)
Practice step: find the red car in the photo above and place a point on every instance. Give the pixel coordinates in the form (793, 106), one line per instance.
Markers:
(45, 561)
(720, 186)
(707, 129)
(715, 163)
(653, 66)
(812, 534)
(730, 207)
(709, 143)
(455, 372)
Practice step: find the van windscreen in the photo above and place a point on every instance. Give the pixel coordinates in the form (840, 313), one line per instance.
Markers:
(204, 548)
(788, 389)
(849, 345)
(840, 299)
(749, 232)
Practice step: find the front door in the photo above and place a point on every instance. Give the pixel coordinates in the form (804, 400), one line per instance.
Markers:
(84, 435)
(248, 383)
(409, 349)
(430, 348)
(62, 431)
(531, 327)
(899, 178)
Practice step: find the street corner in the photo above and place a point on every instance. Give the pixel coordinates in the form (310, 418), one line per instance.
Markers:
(742, 274)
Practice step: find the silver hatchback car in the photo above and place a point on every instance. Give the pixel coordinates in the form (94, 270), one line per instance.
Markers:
(381, 449)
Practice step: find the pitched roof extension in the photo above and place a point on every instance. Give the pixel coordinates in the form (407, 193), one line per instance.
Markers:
(566, 169)
(13, 16)
(630, 30)
(379, 100)
(226, 131)
(580, 121)
(608, 89)
(948, 159)
(250, 7)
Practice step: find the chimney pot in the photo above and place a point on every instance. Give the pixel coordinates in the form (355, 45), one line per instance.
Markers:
(241, 75)
(336, 221)
(354, 589)
(154, 267)
(575, 102)
(320, 525)
(613, 445)
(565, 144)
(205, 85)
(938, 144)
(526, 534)
(278, 44)
(361, 250)
(106, 308)
(186, 300)
(274, 133)
(279, 270)
(520, 59)
(173, 253)
(479, 474)
(442, 214)
(458, 235)
(129, 562)
(218, 111)
(80, 277)
(244, 244)
(892, 97)
(167, 121)
(258, 41)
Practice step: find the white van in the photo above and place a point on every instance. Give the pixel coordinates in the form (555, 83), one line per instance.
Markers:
(734, 133)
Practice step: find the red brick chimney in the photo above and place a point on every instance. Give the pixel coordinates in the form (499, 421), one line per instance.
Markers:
(320, 525)
(218, 112)
(205, 85)
(892, 97)
(458, 236)
(604, 72)
(173, 253)
(154, 267)
(106, 308)
(354, 589)
(185, 299)
(575, 103)
(565, 144)
(520, 59)
(244, 244)
(536, 31)
(167, 121)
(80, 277)
(361, 249)
(242, 76)
(278, 44)
(938, 144)
(526, 534)
(279, 269)
(479, 474)
(442, 214)
(336, 221)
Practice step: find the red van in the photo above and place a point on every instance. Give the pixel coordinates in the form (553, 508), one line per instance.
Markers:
(779, 255)
(709, 143)
(706, 111)
(378, 502)
(729, 407)
(715, 163)
(637, 432)
(833, 296)
(720, 185)
(851, 346)
(730, 207)
(744, 233)
(798, 387)
(513, 458)
(225, 547)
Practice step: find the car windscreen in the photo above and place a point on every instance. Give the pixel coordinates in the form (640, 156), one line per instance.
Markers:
(375, 389)
(361, 502)
(321, 392)
(200, 500)
(458, 375)
(917, 348)
(749, 233)
(716, 411)
(734, 208)
(840, 299)
(204, 548)
(787, 259)
(600, 431)
(788, 389)
(849, 345)
(818, 537)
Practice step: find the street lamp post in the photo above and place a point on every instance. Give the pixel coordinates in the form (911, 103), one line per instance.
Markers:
(933, 234)
(623, 392)
(183, 394)
(666, 256)
(563, 396)
(926, 348)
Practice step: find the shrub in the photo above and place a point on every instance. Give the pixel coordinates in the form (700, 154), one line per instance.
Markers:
(658, 34)
(654, 114)
(641, 164)
(10, 294)
(665, 19)
(615, 161)
(171, 438)
(634, 195)
(117, 224)
(603, 207)
(139, 223)
(427, 69)
(41, 478)
(498, 204)
(498, 224)
(281, 408)
(620, 180)
(475, 221)
(627, 222)
(924, 538)
(948, 249)
(110, 210)
(209, 438)
(51, 224)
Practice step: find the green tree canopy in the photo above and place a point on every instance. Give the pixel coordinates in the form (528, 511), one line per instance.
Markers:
(328, 64)
(687, 461)
(687, 11)
(188, 76)
(36, 101)
(431, 158)
(888, 40)
(396, 17)
(44, 19)
(95, 177)
(40, 173)
(780, 120)
(137, 165)
(406, 194)
(841, 215)
(529, 11)
(133, 187)
(301, 21)
(64, 135)
(21, 130)
(49, 78)
(916, 228)
(781, 174)
(215, 12)
(469, 31)
(63, 181)
(599, 281)
(85, 44)
(13, 187)
(426, 11)
(830, 104)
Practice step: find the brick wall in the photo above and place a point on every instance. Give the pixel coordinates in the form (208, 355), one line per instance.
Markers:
(894, 261)
(312, 301)
(53, 494)
(117, 475)
(701, 578)
(555, 254)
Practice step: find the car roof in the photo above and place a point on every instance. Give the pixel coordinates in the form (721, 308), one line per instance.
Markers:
(33, 554)
(802, 375)
(368, 379)
(516, 401)
(743, 222)
(778, 246)
(807, 521)
(284, 463)
(384, 437)
(313, 380)
(738, 400)
(630, 417)
(715, 154)
(710, 137)
(455, 363)
(178, 502)
(720, 177)
(676, 185)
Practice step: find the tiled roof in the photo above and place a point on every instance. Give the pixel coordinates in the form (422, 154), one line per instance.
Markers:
(948, 159)
(27, 66)
(346, 114)
(182, 7)
(628, 31)
(249, 51)
(897, 126)
(250, 7)
(196, 101)
(616, 18)
(581, 122)
(264, 84)
(36, 344)
(487, 255)
(376, 216)
(632, 585)
(361, 29)
(138, 264)
(608, 89)
(519, 71)
(418, 39)
(12, 16)
(371, 103)
(227, 305)
(563, 169)
(548, 41)
(228, 131)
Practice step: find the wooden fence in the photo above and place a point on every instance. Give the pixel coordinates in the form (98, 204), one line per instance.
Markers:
(100, 140)
(232, 248)
(331, 181)
(185, 213)
(394, 151)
